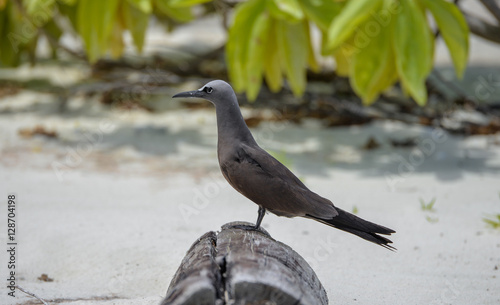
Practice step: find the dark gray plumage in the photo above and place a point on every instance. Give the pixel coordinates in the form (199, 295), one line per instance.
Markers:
(264, 180)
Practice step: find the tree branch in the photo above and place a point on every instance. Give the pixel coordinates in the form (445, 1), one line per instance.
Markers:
(492, 6)
(55, 44)
(482, 28)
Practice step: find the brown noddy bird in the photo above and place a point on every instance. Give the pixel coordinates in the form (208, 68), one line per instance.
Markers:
(261, 178)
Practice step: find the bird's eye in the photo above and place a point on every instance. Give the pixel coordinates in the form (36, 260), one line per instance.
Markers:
(208, 89)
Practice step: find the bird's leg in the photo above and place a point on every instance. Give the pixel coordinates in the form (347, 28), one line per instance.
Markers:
(261, 212)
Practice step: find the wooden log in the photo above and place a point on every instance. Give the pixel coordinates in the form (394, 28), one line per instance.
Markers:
(198, 279)
(241, 266)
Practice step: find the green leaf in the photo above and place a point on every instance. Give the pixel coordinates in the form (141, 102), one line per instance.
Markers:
(355, 210)
(343, 57)
(116, 44)
(187, 3)
(492, 223)
(18, 34)
(70, 11)
(95, 23)
(67, 2)
(289, 10)
(344, 25)
(321, 12)
(43, 9)
(181, 14)
(144, 6)
(136, 22)
(30, 50)
(454, 30)
(428, 206)
(237, 45)
(311, 57)
(272, 64)
(431, 219)
(55, 32)
(256, 55)
(373, 69)
(413, 46)
(11, 44)
(293, 40)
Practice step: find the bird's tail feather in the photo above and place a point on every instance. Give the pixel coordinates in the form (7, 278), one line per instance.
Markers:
(353, 224)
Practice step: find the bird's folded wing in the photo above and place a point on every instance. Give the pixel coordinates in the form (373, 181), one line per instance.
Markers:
(267, 182)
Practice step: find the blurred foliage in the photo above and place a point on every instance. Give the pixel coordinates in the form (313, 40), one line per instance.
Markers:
(100, 24)
(374, 42)
(493, 221)
(427, 206)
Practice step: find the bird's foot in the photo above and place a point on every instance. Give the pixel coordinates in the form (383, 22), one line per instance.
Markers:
(245, 226)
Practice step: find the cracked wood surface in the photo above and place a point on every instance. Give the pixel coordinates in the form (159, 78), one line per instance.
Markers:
(238, 266)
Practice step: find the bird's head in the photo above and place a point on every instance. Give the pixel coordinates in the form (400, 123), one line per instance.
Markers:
(216, 91)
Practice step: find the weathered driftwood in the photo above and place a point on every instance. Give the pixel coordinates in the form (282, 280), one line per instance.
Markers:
(238, 266)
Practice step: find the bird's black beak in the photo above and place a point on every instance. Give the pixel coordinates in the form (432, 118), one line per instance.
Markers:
(196, 93)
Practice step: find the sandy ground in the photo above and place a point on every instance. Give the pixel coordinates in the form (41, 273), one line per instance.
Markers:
(109, 207)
